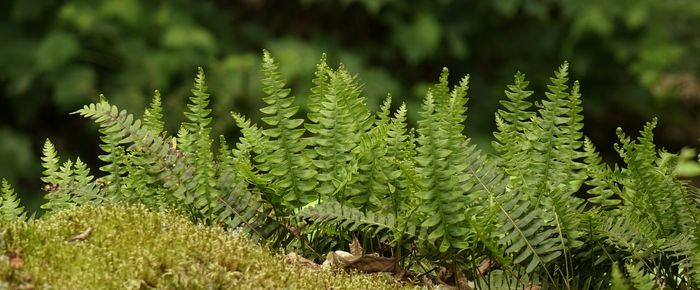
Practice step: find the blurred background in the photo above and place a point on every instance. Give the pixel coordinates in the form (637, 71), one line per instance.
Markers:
(636, 59)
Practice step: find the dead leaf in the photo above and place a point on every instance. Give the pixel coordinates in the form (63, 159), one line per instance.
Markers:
(337, 259)
(355, 247)
(364, 263)
(82, 236)
(294, 258)
(16, 261)
(486, 267)
(373, 264)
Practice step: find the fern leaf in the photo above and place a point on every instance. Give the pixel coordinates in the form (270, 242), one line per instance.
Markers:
(511, 122)
(50, 163)
(342, 120)
(618, 279)
(526, 235)
(198, 144)
(350, 219)
(648, 192)
(641, 280)
(10, 208)
(285, 158)
(74, 186)
(153, 116)
(114, 158)
(602, 179)
(318, 93)
(441, 174)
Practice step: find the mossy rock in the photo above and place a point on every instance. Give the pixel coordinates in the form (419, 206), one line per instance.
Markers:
(131, 247)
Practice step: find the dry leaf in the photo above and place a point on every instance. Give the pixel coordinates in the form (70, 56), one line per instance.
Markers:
(355, 247)
(373, 264)
(337, 259)
(486, 267)
(364, 263)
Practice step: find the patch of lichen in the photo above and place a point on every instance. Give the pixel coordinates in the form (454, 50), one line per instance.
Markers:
(134, 248)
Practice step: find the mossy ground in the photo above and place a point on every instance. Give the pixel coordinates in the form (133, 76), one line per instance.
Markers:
(134, 248)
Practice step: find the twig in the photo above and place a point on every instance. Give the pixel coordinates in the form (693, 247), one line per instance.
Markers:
(82, 236)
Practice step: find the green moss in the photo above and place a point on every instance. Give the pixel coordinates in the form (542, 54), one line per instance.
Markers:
(134, 248)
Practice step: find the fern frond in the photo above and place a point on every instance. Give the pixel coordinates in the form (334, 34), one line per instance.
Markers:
(236, 207)
(251, 143)
(114, 158)
(50, 163)
(10, 209)
(342, 119)
(370, 184)
(640, 279)
(441, 174)
(198, 144)
(524, 233)
(286, 157)
(602, 178)
(318, 93)
(631, 234)
(648, 192)
(167, 162)
(74, 187)
(618, 279)
(383, 227)
(153, 116)
(511, 123)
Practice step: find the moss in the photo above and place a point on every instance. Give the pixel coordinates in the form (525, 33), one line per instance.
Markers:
(131, 247)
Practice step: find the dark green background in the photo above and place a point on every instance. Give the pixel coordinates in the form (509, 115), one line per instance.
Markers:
(635, 60)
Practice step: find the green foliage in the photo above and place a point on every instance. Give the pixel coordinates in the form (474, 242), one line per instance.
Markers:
(10, 209)
(427, 196)
(285, 157)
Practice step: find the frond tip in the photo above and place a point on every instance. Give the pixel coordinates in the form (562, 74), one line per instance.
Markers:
(10, 209)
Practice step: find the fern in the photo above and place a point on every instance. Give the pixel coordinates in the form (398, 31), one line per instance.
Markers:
(526, 236)
(334, 213)
(285, 157)
(115, 159)
(10, 209)
(197, 142)
(341, 121)
(153, 116)
(605, 188)
(400, 153)
(640, 279)
(512, 122)
(541, 154)
(442, 161)
(618, 279)
(69, 183)
(648, 193)
(427, 195)
(50, 163)
(74, 187)
(140, 184)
